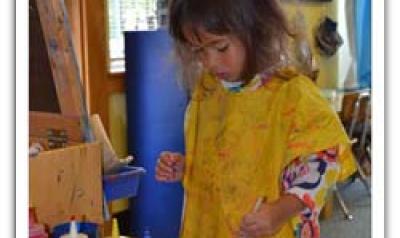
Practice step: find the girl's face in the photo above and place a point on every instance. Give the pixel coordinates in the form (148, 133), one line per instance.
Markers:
(222, 55)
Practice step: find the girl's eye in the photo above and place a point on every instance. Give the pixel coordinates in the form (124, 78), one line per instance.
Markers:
(197, 50)
(222, 48)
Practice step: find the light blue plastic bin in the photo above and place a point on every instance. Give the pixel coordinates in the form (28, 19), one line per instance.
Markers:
(123, 184)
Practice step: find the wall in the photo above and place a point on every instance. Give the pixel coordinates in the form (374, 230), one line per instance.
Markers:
(333, 70)
(118, 136)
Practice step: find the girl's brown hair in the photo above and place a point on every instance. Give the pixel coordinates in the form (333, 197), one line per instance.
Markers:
(260, 25)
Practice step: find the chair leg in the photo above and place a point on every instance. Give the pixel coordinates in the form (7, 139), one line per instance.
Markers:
(363, 177)
(363, 145)
(343, 206)
(365, 128)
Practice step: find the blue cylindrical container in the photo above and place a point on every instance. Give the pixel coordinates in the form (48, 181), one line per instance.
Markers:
(155, 111)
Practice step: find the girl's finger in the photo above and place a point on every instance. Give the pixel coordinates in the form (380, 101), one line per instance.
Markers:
(163, 161)
(172, 159)
(253, 230)
(164, 167)
(249, 225)
(161, 177)
(164, 177)
(247, 230)
(165, 154)
(243, 234)
(163, 173)
(176, 156)
(249, 219)
(167, 171)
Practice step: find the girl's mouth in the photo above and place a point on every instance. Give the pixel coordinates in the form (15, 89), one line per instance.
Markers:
(222, 75)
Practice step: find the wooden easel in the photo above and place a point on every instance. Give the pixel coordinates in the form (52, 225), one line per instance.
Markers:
(66, 178)
(72, 118)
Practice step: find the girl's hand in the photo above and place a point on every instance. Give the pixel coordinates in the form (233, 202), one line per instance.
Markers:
(170, 167)
(270, 217)
(265, 222)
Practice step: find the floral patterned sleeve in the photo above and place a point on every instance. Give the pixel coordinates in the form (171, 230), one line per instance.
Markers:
(309, 179)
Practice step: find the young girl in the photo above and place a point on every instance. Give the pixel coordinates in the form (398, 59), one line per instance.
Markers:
(255, 129)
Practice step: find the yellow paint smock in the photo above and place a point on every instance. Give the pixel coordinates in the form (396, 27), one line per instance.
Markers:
(238, 143)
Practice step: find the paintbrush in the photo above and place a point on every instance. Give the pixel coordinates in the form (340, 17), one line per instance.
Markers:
(258, 204)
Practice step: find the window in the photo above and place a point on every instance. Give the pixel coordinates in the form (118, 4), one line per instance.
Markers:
(130, 15)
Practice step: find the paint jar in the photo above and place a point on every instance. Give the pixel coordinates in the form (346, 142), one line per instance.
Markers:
(80, 235)
(119, 237)
(146, 233)
(35, 230)
(115, 230)
(88, 228)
